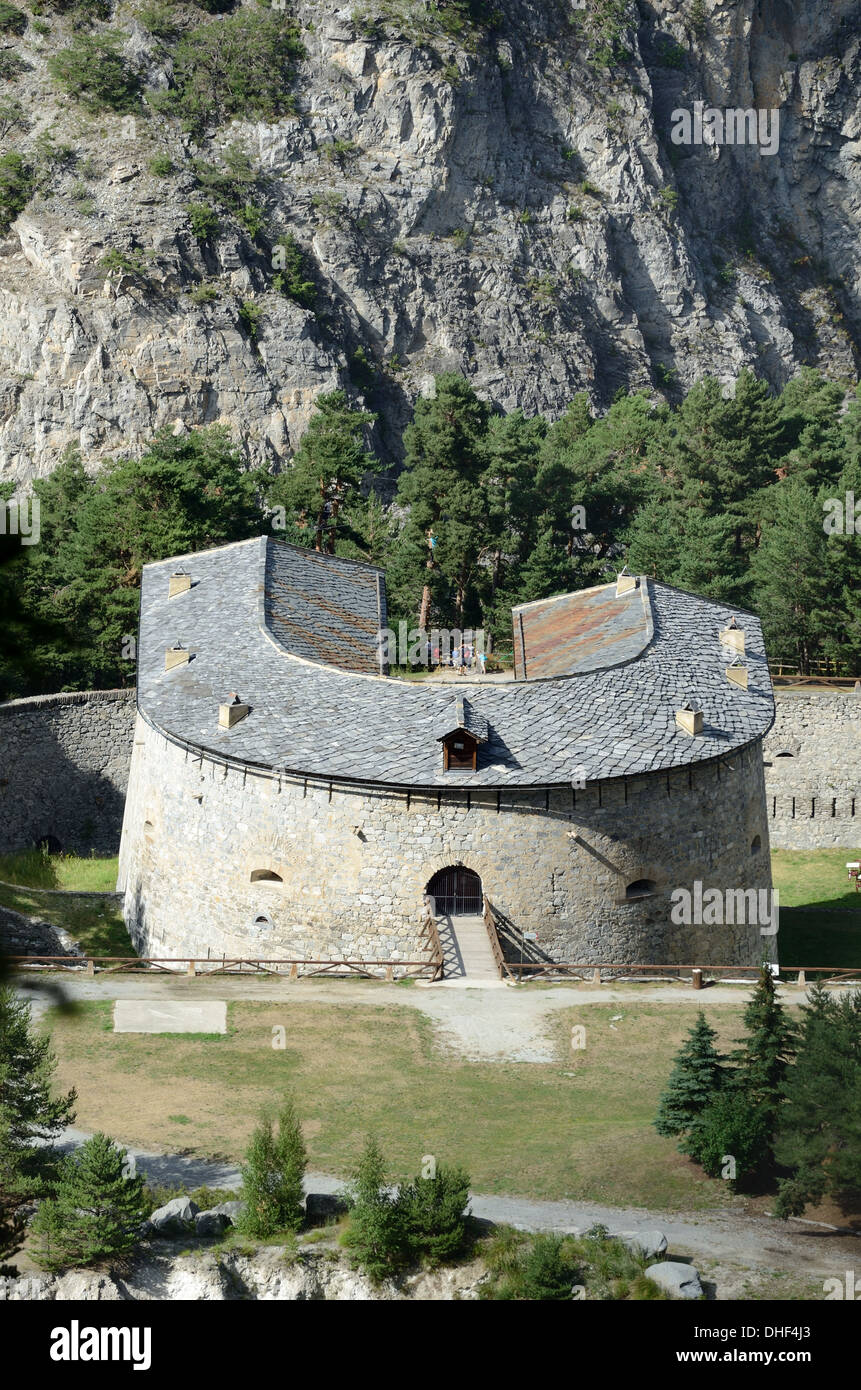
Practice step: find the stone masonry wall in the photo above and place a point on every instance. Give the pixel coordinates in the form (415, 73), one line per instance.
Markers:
(354, 863)
(813, 771)
(64, 762)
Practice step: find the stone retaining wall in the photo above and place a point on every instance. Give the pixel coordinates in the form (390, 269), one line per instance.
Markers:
(64, 762)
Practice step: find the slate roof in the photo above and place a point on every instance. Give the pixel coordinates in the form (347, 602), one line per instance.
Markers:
(322, 721)
(463, 715)
(575, 633)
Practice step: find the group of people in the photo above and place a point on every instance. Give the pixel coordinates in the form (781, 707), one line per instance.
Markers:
(462, 659)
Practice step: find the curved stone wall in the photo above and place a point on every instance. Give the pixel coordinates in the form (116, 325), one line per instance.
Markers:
(347, 866)
(64, 764)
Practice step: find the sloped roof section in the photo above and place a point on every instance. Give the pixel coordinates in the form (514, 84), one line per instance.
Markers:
(325, 608)
(464, 716)
(574, 633)
(328, 720)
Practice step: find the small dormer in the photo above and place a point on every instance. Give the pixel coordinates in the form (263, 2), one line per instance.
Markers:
(464, 729)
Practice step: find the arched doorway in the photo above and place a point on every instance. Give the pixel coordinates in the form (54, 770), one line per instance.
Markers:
(456, 892)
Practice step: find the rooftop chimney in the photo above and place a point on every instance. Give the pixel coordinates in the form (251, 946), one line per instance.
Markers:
(179, 583)
(231, 712)
(176, 656)
(625, 582)
(690, 718)
(733, 636)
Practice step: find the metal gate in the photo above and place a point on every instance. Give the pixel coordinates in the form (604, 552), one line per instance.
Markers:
(456, 891)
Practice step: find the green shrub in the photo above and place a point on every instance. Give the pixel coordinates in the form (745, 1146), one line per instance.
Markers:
(157, 1195)
(40, 27)
(12, 117)
(250, 316)
(12, 20)
(16, 187)
(230, 184)
(203, 219)
(242, 65)
(161, 165)
(549, 1271)
(125, 265)
(93, 71)
(82, 11)
(11, 66)
(274, 1164)
(292, 277)
(375, 1235)
(434, 1213)
(96, 1213)
(203, 294)
(363, 373)
(672, 55)
(338, 151)
(160, 19)
(732, 1127)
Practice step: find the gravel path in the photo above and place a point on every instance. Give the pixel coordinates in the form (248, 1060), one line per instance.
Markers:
(496, 1022)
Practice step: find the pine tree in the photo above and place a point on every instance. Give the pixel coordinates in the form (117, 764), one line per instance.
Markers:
(763, 1059)
(698, 1074)
(376, 1235)
(819, 1134)
(434, 1212)
(272, 1175)
(322, 483)
(96, 1213)
(789, 573)
(30, 1115)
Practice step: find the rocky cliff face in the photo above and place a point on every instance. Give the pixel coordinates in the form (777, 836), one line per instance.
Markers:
(503, 207)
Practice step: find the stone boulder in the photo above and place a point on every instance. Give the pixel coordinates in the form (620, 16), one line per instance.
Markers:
(231, 1210)
(322, 1207)
(678, 1280)
(212, 1223)
(175, 1218)
(650, 1243)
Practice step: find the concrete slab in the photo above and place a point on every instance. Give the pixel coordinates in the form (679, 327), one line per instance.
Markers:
(170, 1016)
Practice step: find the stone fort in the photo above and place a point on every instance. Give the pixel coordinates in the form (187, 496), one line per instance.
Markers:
(285, 797)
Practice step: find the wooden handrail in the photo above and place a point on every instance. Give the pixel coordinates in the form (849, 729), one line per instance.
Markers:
(493, 937)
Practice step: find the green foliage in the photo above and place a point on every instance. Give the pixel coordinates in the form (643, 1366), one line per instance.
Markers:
(669, 198)
(12, 20)
(324, 477)
(554, 1268)
(672, 55)
(12, 117)
(80, 595)
(160, 19)
(203, 294)
(251, 317)
(93, 71)
(11, 66)
(292, 278)
(363, 373)
(161, 165)
(375, 1237)
(80, 11)
(819, 1125)
(16, 187)
(232, 184)
(697, 1075)
(125, 265)
(29, 1111)
(731, 1127)
(434, 1213)
(242, 65)
(272, 1176)
(97, 1210)
(203, 220)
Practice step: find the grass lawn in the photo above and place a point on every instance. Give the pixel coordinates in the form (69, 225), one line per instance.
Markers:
(96, 923)
(820, 912)
(579, 1127)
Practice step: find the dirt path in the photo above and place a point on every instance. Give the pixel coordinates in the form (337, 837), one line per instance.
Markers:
(496, 1022)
